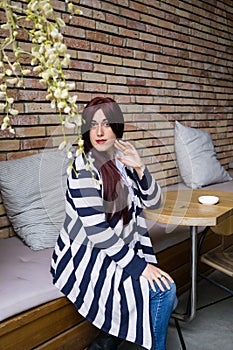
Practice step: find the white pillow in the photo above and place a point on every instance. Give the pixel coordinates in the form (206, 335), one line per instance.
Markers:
(33, 192)
(196, 157)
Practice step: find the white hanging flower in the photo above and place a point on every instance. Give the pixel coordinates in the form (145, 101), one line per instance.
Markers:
(48, 9)
(37, 69)
(69, 125)
(34, 5)
(73, 99)
(9, 72)
(4, 126)
(57, 93)
(62, 145)
(3, 87)
(69, 169)
(66, 61)
(80, 143)
(26, 71)
(41, 39)
(49, 96)
(70, 6)
(53, 104)
(12, 81)
(12, 131)
(61, 104)
(2, 95)
(71, 86)
(19, 83)
(49, 58)
(10, 100)
(60, 22)
(34, 51)
(69, 155)
(60, 47)
(67, 109)
(54, 33)
(13, 111)
(6, 120)
(61, 84)
(64, 94)
(78, 151)
(5, 26)
(97, 184)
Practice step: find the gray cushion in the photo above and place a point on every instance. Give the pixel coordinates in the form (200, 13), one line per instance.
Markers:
(33, 192)
(196, 157)
(25, 279)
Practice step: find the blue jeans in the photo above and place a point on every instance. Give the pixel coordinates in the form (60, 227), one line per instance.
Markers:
(161, 306)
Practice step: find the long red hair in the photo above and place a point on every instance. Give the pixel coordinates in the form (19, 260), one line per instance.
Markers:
(114, 194)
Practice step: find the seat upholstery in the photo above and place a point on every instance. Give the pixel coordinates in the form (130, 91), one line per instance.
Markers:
(25, 279)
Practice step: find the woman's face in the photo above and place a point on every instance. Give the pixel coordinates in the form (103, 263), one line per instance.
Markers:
(101, 135)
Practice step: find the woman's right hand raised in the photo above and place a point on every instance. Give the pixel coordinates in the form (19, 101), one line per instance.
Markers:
(153, 273)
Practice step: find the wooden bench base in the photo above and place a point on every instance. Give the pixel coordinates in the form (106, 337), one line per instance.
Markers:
(55, 325)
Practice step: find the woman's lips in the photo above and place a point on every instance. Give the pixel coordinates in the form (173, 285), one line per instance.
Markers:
(100, 142)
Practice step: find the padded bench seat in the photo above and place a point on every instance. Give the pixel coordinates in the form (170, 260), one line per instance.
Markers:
(25, 279)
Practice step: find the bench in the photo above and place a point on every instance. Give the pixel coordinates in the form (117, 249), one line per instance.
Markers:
(34, 314)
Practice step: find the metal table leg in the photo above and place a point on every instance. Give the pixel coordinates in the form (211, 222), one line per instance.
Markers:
(190, 313)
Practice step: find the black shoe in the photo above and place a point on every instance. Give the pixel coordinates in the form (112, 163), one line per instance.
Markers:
(105, 341)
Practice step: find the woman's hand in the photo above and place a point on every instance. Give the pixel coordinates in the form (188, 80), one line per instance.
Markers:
(153, 273)
(131, 157)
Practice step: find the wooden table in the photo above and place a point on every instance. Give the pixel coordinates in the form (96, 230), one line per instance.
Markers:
(183, 208)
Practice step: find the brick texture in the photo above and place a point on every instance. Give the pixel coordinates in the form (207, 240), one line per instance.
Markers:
(167, 61)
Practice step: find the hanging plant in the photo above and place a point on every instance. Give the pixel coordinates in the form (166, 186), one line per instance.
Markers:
(49, 60)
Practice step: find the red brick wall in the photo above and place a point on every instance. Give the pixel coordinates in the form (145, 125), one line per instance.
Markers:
(170, 60)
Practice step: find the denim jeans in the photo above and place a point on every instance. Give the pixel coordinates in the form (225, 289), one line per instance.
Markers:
(161, 306)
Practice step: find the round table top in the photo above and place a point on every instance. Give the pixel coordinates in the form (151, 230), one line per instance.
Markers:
(183, 208)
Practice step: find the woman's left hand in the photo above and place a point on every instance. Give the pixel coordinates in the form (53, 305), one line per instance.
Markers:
(153, 273)
(131, 157)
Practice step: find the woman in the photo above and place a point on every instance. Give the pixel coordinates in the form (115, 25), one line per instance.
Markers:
(103, 260)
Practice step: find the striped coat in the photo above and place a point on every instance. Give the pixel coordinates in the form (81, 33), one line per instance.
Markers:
(97, 265)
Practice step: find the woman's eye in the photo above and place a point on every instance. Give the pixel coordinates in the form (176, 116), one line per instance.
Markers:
(94, 125)
(104, 123)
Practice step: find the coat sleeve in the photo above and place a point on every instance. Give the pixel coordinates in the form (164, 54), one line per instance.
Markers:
(150, 195)
(84, 195)
(149, 190)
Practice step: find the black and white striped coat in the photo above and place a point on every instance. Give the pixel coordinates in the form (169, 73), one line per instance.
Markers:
(97, 265)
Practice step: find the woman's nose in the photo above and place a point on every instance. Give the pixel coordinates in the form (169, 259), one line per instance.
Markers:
(100, 129)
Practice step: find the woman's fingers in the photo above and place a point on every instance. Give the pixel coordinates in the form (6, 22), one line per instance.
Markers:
(152, 285)
(123, 146)
(167, 276)
(130, 156)
(162, 278)
(120, 145)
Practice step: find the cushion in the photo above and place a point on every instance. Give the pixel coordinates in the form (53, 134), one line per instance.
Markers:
(196, 157)
(33, 192)
(25, 280)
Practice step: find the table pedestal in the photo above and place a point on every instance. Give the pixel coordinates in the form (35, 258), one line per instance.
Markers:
(190, 313)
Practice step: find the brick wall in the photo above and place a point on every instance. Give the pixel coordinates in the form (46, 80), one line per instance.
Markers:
(170, 60)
